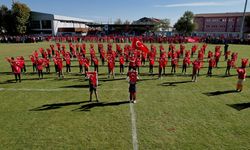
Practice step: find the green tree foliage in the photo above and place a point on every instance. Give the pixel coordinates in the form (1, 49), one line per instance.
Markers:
(126, 22)
(165, 24)
(21, 14)
(162, 25)
(4, 13)
(118, 21)
(185, 24)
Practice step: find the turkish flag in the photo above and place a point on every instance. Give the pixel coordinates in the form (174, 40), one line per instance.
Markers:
(192, 40)
(137, 44)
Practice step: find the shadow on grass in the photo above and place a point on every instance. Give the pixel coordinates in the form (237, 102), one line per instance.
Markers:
(147, 79)
(76, 86)
(174, 83)
(65, 78)
(240, 106)
(223, 76)
(110, 79)
(26, 73)
(56, 106)
(14, 81)
(89, 106)
(220, 92)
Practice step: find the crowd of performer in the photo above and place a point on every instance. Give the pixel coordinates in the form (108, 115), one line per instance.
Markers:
(130, 56)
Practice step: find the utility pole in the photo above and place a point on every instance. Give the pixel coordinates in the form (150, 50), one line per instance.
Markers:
(243, 22)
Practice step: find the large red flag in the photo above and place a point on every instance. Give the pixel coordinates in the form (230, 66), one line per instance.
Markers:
(192, 39)
(137, 44)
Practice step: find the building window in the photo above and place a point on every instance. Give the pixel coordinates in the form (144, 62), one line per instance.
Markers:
(46, 24)
(223, 20)
(208, 20)
(215, 20)
(207, 26)
(35, 25)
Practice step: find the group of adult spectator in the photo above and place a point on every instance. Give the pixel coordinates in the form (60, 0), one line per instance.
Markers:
(118, 39)
(21, 39)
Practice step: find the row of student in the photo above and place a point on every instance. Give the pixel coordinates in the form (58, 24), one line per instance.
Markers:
(76, 50)
(134, 57)
(39, 63)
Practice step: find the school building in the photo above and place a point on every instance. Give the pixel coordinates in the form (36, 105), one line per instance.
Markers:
(44, 23)
(221, 24)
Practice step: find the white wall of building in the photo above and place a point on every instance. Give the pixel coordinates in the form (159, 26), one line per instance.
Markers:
(59, 21)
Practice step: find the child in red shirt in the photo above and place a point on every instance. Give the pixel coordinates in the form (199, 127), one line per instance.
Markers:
(241, 78)
(39, 64)
(229, 65)
(185, 64)
(211, 64)
(122, 61)
(93, 83)
(132, 78)
(196, 67)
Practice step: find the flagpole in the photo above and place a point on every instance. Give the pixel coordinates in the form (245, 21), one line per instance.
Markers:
(243, 21)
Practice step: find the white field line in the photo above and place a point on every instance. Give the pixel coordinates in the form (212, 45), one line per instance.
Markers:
(133, 122)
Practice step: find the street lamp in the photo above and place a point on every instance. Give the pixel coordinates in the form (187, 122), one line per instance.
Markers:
(243, 21)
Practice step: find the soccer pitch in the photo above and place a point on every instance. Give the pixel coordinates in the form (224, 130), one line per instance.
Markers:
(170, 113)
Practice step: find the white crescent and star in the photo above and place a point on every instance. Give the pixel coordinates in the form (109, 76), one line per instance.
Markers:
(138, 44)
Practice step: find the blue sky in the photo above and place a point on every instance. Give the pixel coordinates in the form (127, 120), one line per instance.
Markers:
(110, 10)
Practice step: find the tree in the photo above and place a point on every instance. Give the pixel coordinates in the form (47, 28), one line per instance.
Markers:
(185, 24)
(161, 25)
(126, 22)
(165, 24)
(21, 14)
(118, 21)
(3, 18)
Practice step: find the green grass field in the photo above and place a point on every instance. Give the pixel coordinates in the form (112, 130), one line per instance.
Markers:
(171, 113)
